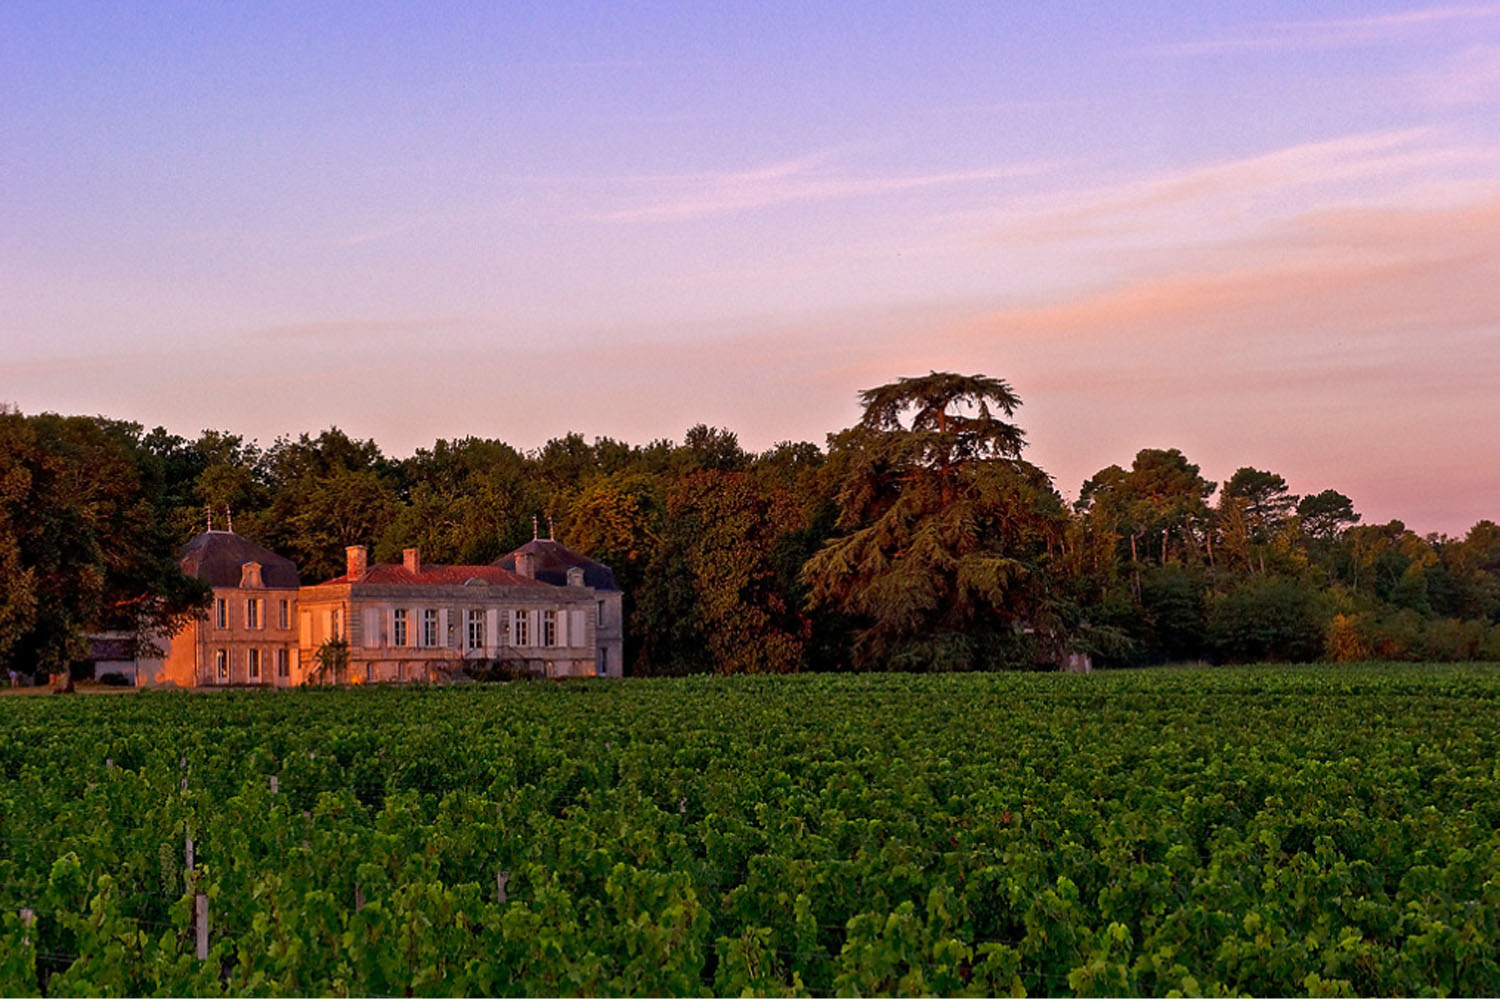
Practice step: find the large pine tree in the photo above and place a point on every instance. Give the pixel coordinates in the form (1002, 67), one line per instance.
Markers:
(947, 534)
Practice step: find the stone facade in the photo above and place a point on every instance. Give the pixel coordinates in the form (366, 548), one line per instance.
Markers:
(409, 622)
(547, 560)
(248, 636)
(402, 622)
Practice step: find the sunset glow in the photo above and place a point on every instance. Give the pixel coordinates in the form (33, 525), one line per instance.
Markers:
(1264, 233)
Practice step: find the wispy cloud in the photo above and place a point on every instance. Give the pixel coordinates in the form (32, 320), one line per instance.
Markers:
(340, 331)
(671, 118)
(603, 63)
(1234, 192)
(1333, 33)
(1359, 271)
(1471, 77)
(809, 178)
(50, 367)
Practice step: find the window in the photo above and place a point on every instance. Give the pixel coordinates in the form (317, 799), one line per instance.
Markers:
(376, 631)
(283, 662)
(603, 661)
(221, 665)
(334, 632)
(252, 613)
(221, 613)
(522, 628)
(600, 620)
(284, 614)
(253, 664)
(430, 627)
(476, 629)
(549, 628)
(370, 672)
(398, 627)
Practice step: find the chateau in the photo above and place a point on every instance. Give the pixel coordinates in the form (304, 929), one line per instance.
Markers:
(542, 610)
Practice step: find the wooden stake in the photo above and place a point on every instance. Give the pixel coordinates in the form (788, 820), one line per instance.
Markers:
(28, 916)
(200, 906)
(501, 879)
(275, 785)
(359, 898)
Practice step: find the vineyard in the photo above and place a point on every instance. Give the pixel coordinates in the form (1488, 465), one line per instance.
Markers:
(1320, 830)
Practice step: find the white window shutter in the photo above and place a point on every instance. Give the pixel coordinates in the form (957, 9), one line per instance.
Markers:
(328, 624)
(443, 627)
(304, 620)
(491, 630)
(578, 632)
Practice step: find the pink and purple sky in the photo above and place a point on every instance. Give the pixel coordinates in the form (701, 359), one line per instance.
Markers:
(1266, 233)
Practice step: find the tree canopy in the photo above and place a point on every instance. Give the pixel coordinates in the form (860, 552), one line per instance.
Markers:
(947, 532)
(918, 538)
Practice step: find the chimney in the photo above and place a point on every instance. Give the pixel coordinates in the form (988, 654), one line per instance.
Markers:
(357, 561)
(412, 560)
(526, 565)
(575, 576)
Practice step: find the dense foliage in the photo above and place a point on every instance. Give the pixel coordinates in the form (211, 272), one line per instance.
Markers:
(1328, 830)
(918, 539)
(85, 539)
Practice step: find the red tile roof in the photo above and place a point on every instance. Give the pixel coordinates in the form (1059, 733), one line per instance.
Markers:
(397, 574)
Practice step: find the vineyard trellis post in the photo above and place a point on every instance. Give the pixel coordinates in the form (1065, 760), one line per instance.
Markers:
(200, 911)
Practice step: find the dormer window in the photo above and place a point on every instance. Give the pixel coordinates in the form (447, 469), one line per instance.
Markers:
(250, 576)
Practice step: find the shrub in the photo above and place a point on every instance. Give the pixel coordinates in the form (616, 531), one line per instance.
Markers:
(1347, 639)
(1266, 620)
(1449, 639)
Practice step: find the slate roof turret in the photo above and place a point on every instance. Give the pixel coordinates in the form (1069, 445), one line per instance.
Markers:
(216, 558)
(553, 560)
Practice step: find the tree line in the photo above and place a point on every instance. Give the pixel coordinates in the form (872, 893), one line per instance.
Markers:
(918, 539)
